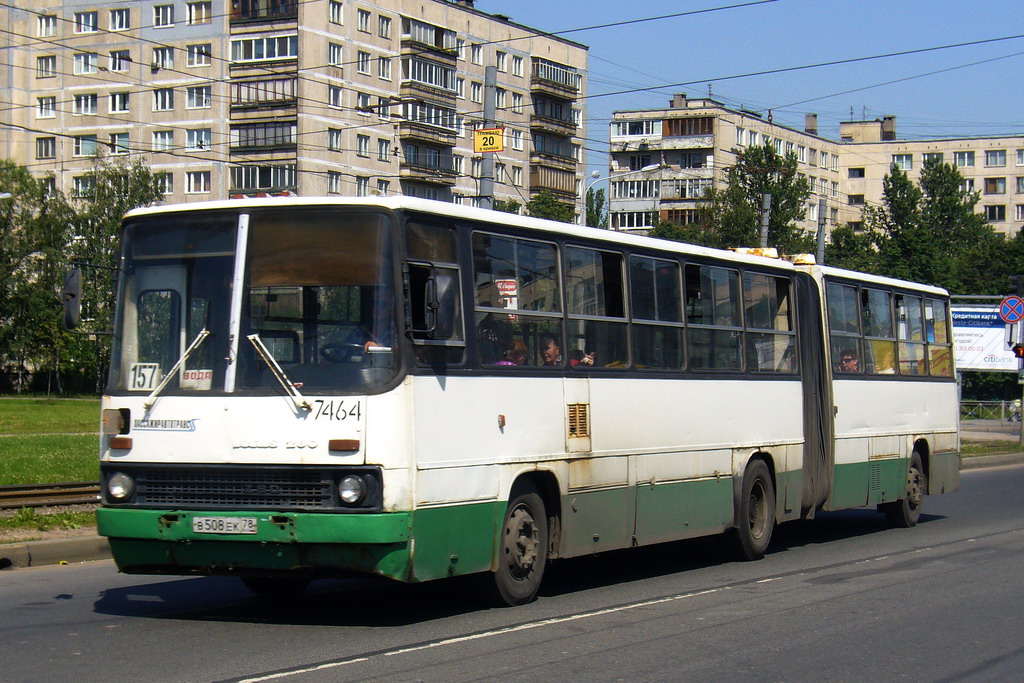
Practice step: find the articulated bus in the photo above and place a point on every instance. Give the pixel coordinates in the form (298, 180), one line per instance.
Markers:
(321, 387)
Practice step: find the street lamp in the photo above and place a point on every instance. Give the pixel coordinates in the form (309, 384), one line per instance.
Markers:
(596, 175)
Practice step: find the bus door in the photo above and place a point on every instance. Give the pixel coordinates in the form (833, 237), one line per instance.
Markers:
(819, 420)
(154, 333)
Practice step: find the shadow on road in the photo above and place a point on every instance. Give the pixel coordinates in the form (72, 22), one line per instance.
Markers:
(382, 603)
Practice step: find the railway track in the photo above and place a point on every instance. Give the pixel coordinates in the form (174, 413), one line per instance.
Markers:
(46, 495)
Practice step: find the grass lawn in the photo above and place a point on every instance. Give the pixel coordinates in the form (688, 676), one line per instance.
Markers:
(49, 416)
(32, 459)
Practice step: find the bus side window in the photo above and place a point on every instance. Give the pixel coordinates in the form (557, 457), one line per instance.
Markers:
(434, 306)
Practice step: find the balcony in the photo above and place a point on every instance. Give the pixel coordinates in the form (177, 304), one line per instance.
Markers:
(688, 142)
(423, 132)
(428, 166)
(423, 91)
(255, 11)
(556, 80)
(556, 180)
(552, 125)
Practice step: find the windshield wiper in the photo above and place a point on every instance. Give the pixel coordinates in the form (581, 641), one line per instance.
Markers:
(289, 387)
(203, 334)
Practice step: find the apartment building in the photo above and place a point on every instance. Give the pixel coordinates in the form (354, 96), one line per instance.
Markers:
(662, 162)
(228, 98)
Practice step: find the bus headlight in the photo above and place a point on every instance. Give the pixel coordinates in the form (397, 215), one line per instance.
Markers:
(120, 486)
(352, 489)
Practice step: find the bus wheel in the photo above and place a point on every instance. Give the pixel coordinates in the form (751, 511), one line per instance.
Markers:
(524, 550)
(905, 512)
(275, 587)
(755, 518)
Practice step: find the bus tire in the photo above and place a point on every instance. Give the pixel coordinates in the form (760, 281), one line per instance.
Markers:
(523, 551)
(904, 513)
(275, 587)
(755, 514)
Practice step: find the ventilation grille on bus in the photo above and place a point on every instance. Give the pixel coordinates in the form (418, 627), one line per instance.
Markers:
(876, 477)
(579, 420)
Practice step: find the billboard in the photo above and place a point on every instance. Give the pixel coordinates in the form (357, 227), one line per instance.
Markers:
(979, 340)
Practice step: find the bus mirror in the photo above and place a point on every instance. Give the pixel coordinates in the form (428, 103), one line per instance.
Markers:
(71, 296)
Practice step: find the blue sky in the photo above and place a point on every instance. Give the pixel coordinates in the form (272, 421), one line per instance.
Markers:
(964, 99)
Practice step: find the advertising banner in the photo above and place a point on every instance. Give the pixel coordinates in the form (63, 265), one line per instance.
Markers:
(979, 340)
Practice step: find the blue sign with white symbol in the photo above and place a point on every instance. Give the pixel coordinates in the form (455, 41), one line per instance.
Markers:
(1011, 309)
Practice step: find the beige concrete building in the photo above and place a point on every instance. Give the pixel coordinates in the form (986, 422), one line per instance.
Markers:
(245, 97)
(662, 161)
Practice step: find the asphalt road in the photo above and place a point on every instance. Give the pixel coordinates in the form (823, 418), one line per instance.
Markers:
(841, 598)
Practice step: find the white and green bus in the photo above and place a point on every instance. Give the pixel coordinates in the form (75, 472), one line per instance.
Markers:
(315, 387)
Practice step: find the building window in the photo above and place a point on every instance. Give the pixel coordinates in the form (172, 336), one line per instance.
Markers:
(904, 162)
(119, 60)
(801, 154)
(812, 157)
(199, 12)
(363, 145)
(824, 155)
(384, 68)
(1019, 212)
(85, 22)
(85, 146)
(995, 213)
(86, 104)
(199, 138)
(517, 103)
(967, 185)
(517, 176)
(934, 157)
(362, 186)
(199, 55)
(515, 139)
(383, 149)
(963, 159)
(85, 63)
(265, 49)
(163, 140)
(334, 139)
(46, 66)
(628, 220)
(995, 157)
(163, 58)
(333, 182)
(46, 148)
(363, 62)
(363, 103)
(335, 54)
(363, 20)
(501, 61)
(163, 16)
(517, 65)
(264, 91)
(336, 12)
(199, 97)
(264, 135)
(164, 182)
(1020, 185)
(995, 185)
(197, 182)
(1020, 157)
(384, 27)
(83, 185)
(46, 25)
(335, 96)
(46, 107)
(855, 172)
(740, 135)
(476, 92)
(120, 20)
(119, 143)
(856, 200)
(500, 98)
(163, 99)
(383, 187)
(429, 73)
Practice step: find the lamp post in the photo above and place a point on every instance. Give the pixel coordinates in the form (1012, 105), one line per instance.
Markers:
(596, 175)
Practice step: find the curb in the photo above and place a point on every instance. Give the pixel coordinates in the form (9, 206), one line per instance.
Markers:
(56, 551)
(87, 548)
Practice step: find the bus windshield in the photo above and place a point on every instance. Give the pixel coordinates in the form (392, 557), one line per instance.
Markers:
(317, 293)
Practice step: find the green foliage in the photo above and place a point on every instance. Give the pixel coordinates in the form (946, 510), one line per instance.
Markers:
(48, 416)
(29, 518)
(41, 459)
(597, 217)
(731, 217)
(507, 206)
(547, 205)
(929, 233)
(990, 386)
(41, 233)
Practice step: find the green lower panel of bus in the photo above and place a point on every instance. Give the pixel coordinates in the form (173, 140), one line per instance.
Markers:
(449, 541)
(868, 483)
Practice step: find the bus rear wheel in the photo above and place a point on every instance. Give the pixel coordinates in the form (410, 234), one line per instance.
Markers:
(755, 514)
(524, 550)
(905, 512)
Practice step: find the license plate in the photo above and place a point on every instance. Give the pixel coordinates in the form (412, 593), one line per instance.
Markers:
(224, 525)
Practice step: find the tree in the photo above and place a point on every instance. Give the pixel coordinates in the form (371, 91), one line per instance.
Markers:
(506, 205)
(597, 217)
(547, 205)
(928, 233)
(731, 216)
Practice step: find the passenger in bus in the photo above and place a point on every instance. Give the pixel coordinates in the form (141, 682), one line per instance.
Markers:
(550, 351)
(515, 353)
(848, 361)
(577, 358)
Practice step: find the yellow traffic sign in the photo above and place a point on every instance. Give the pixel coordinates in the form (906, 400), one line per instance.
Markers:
(489, 140)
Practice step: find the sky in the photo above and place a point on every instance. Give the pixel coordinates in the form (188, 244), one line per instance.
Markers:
(939, 93)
